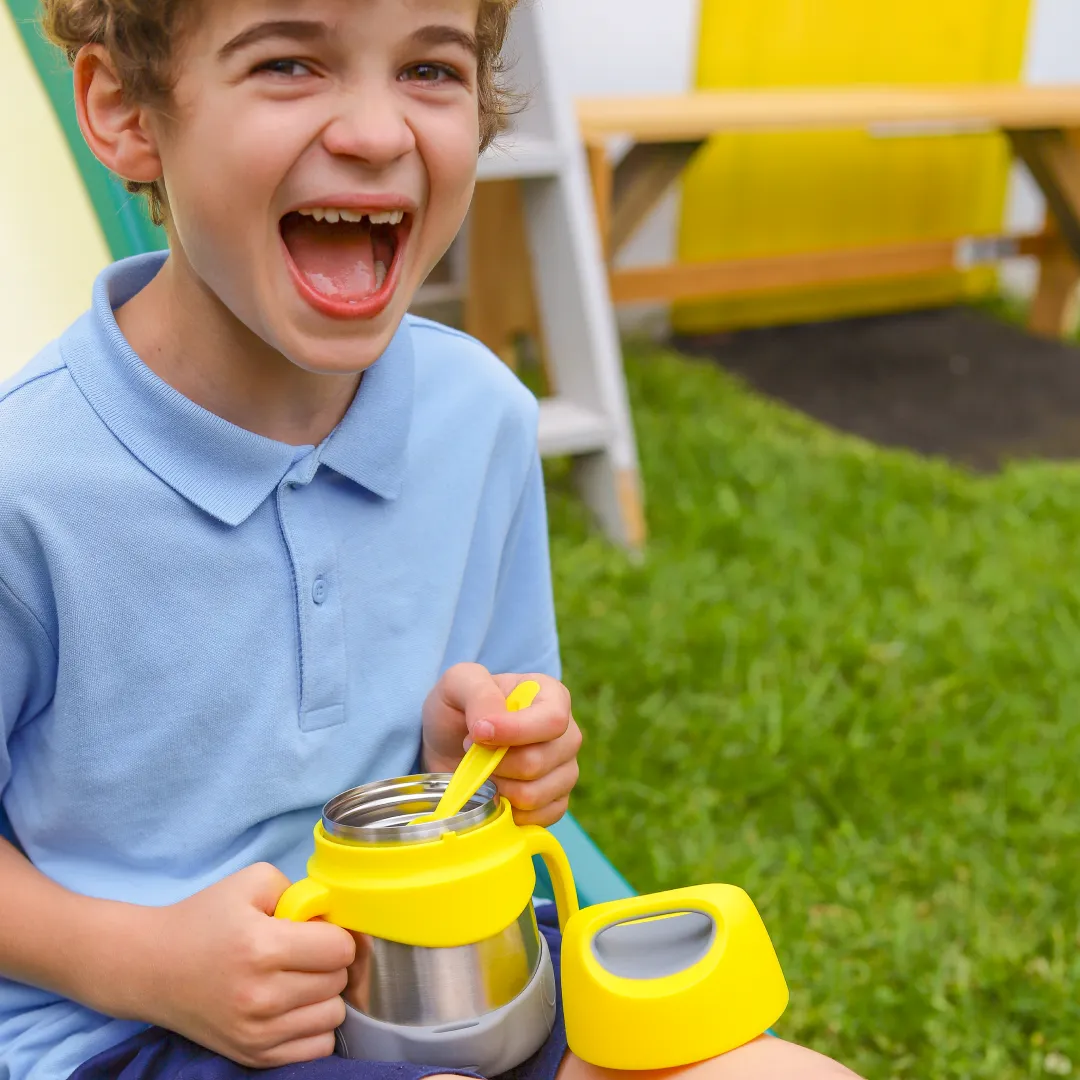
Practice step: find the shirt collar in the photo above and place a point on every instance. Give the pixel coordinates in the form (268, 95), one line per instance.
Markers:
(223, 469)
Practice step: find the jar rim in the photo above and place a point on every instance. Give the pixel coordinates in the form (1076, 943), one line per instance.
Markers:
(377, 813)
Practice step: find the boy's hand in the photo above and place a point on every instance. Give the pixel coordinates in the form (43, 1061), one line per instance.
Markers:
(259, 990)
(539, 772)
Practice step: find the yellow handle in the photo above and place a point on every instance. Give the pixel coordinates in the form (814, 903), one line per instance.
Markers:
(304, 901)
(478, 763)
(540, 842)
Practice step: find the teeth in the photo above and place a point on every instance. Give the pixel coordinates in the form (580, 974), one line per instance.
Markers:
(333, 215)
(380, 274)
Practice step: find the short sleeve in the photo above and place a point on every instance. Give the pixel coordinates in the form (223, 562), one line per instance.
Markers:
(522, 635)
(27, 675)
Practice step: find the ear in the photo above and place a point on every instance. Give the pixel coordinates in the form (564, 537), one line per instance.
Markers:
(115, 129)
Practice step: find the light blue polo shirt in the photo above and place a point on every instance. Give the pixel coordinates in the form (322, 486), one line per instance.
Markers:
(205, 634)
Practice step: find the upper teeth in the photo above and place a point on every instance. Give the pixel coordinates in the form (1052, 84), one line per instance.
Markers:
(334, 215)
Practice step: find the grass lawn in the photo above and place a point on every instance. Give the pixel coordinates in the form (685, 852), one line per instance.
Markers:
(847, 680)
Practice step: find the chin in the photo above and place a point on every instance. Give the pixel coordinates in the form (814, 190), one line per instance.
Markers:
(341, 355)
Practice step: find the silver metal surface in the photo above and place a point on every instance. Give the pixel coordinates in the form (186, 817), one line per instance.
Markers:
(490, 1044)
(377, 813)
(408, 984)
(414, 986)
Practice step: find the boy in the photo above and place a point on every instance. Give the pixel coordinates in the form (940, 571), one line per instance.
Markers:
(249, 513)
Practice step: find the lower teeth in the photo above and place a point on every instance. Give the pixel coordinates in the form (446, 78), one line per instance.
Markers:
(380, 274)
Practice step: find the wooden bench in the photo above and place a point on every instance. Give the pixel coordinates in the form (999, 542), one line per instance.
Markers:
(1041, 123)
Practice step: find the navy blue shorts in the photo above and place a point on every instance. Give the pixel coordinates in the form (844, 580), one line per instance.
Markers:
(158, 1054)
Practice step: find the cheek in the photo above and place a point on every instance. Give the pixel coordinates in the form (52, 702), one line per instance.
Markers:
(451, 137)
(223, 169)
(222, 174)
(450, 156)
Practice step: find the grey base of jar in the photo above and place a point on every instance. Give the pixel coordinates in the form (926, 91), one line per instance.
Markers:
(490, 1044)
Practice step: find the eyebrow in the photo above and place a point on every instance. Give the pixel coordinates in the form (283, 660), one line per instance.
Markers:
(296, 29)
(446, 35)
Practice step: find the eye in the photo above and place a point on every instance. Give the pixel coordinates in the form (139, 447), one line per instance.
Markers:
(290, 69)
(430, 73)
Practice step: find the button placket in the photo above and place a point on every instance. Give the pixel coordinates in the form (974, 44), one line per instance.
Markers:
(320, 620)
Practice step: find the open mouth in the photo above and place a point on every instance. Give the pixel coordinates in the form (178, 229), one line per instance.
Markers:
(345, 262)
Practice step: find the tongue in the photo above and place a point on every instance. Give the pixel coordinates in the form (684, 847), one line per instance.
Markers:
(335, 260)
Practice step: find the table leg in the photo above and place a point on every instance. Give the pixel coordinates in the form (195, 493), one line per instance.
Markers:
(1053, 159)
(1053, 307)
(640, 181)
(500, 300)
(603, 177)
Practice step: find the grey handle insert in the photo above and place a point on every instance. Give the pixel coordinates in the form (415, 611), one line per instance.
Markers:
(654, 946)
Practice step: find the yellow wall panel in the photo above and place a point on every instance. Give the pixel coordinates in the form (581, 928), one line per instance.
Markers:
(50, 242)
(780, 193)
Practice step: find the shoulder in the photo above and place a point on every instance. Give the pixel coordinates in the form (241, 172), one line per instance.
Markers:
(458, 369)
(50, 437)
(47, 362)
(36, 404)
(37, 407)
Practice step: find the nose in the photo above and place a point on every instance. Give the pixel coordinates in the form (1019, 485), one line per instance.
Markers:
(371, 126)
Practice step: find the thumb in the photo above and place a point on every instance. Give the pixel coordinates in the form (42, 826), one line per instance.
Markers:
(472, 690)
(263, 885)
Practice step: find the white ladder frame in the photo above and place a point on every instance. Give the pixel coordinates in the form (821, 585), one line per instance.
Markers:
(588, 417)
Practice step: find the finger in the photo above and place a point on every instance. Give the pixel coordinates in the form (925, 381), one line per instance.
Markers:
(313, 946)
(291, 1053)
(297, 989)
(546, 816)
(546, 719)
(550, 689)
(471, 689)
(507, 682)
(536, 794)
(264, 885)
(532, 762)
(310, 1021)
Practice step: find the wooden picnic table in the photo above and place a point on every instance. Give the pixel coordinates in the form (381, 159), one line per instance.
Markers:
(1042, 124)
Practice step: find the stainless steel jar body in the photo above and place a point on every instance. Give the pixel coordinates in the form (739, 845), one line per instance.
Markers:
(401, 984)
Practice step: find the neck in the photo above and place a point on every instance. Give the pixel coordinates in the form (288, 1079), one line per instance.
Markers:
(186, 336)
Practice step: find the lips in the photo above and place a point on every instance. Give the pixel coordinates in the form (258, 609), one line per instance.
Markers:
(345, 262)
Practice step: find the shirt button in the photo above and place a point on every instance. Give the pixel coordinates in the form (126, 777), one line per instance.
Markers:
(319, 590)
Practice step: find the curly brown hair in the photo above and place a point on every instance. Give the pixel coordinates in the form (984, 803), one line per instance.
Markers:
(141, 35)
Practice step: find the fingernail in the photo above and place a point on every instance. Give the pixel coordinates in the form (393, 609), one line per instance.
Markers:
(483, 730)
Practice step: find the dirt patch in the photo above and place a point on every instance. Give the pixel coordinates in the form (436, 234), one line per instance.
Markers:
(952, 382)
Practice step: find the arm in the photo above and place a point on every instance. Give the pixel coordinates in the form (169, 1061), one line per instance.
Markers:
(216, 967)
(77, 947)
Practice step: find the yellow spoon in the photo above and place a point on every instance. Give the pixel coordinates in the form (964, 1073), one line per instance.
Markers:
(478, 763)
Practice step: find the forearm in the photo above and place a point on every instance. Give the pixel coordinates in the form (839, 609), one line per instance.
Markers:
(97, 952)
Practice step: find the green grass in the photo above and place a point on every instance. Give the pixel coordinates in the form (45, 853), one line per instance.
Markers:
(847, 680)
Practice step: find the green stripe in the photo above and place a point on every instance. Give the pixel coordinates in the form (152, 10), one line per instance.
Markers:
(127, 228)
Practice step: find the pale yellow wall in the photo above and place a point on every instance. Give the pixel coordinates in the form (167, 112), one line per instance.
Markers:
(50, 245)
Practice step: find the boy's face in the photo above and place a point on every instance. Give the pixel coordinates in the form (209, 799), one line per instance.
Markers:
(318, 158)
